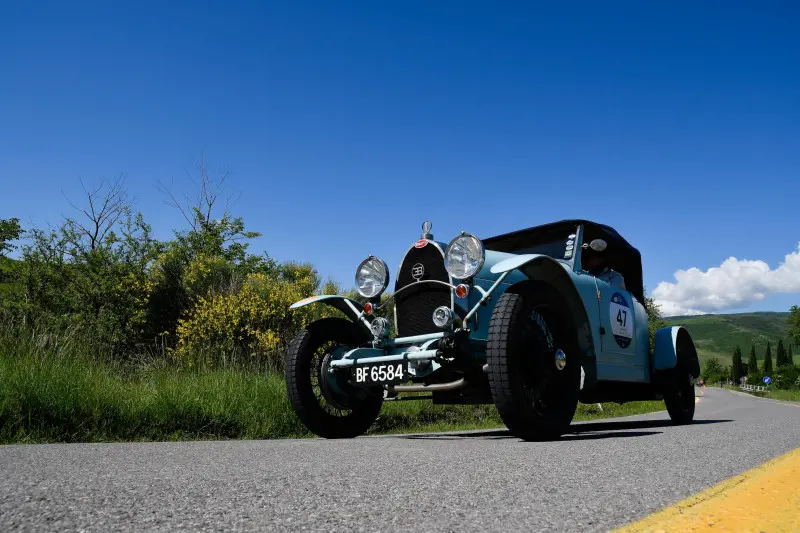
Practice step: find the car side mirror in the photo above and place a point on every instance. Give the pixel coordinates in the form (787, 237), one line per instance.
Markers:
(598, 245)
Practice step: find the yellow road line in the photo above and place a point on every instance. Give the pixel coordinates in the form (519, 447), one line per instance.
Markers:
(766, 498)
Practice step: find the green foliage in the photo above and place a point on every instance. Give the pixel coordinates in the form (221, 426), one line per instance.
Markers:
(789, 356)
(793, 324)
(654, 320)
(781, 357)
(251, 320)
(77, 399)
(752, 364)
(54, 389)
(10, 230)
(718, 335)
(737, 366)
(785, 376)
(95, 286)
(101, 273)
(714, 371)
(768, 360)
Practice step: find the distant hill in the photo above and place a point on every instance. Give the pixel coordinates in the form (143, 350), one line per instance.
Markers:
(718, 335)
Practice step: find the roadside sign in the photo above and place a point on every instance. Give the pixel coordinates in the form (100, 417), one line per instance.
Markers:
(767, 381)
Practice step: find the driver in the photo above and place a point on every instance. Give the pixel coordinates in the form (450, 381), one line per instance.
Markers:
(594, 262)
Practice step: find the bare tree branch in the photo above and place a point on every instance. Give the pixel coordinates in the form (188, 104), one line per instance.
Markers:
(104, 210)
(173, 202)
(209, 192)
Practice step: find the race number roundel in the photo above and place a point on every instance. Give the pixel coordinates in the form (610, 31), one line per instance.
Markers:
(621, 316)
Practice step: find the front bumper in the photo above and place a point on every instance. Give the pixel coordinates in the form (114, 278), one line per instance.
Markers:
(416, 348)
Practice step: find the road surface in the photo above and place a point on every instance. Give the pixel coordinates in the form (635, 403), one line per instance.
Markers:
(602, 476)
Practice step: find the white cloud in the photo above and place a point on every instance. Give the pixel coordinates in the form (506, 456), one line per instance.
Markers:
(734, 284)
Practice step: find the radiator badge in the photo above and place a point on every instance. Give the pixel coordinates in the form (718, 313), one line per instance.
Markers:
(417, 271)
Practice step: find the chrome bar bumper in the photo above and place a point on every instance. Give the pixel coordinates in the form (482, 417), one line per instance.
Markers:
(422, 355)
(401, 341)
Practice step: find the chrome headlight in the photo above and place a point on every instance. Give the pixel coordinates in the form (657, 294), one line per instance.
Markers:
(372, 277)
(443, 317)
(464, 256)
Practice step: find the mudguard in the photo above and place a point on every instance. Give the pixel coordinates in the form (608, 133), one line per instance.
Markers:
(351, 308)
(518, 261)
(673, 344)
(542, 268)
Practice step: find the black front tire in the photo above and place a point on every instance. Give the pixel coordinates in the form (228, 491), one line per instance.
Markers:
(535, 400)
(325, 403)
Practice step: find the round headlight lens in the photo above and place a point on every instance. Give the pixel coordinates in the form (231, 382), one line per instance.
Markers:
(464, 256)
(372, 277)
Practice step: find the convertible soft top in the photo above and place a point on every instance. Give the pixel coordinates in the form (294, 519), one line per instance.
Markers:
(620, 254)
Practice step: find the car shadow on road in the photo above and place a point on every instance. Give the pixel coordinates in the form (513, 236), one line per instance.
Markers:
(581, 431)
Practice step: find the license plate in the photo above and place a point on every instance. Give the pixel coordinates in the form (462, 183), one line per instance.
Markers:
(379, 374)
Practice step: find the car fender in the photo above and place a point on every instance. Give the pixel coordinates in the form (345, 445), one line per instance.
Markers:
(542, 268)
(351, 308)
(673, 344)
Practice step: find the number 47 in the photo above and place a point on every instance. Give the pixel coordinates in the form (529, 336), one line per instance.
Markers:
(622, 317)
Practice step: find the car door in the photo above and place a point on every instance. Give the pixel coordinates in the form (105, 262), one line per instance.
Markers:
(617, 325)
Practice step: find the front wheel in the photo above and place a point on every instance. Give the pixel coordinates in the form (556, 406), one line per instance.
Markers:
(323, 401)
(534, 370)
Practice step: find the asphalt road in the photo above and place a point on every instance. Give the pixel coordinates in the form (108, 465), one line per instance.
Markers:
(602, 476)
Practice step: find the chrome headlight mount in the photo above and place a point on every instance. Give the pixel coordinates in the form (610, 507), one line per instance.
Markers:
(464, 256)
(372, 277)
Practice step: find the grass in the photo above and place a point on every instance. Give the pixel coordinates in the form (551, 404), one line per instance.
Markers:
(788, 395)
(718, 335)
(70, 398)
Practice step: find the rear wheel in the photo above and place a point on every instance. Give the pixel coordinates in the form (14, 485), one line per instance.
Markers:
(534, 374)
(679, 395)
(323, 401)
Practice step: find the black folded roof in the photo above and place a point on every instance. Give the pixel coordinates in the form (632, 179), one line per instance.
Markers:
(621, 255)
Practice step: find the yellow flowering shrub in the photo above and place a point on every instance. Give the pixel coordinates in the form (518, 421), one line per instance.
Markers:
(254, 320)
(206, 274)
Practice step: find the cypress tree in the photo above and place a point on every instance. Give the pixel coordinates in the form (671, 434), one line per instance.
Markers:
(737, 368)
(768, 360)
(780, 358)
(752, 364)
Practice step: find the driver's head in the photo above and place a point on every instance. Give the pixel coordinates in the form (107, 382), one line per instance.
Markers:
(592, 261)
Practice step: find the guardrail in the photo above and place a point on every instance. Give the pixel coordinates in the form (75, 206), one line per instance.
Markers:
(754, 388)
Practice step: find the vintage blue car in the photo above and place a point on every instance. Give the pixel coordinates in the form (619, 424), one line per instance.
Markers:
(533, 321)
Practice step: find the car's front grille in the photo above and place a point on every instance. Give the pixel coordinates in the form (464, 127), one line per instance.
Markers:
(415, 305)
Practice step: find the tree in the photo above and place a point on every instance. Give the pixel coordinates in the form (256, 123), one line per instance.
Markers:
(102, 212)
(789, 357)
(9, 231)
(752, 363)
(780, 357)
(654, 319)
(737, 367)
(793, 321)
(714, 371)
(768, 359)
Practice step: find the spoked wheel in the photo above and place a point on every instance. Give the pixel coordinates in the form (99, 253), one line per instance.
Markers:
(679, 395)
(323, 401)
(534, 381)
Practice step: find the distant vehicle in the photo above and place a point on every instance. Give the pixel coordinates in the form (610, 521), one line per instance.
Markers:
(701, 383)
(516, 320)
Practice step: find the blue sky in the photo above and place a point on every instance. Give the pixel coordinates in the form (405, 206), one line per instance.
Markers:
(345, 124)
